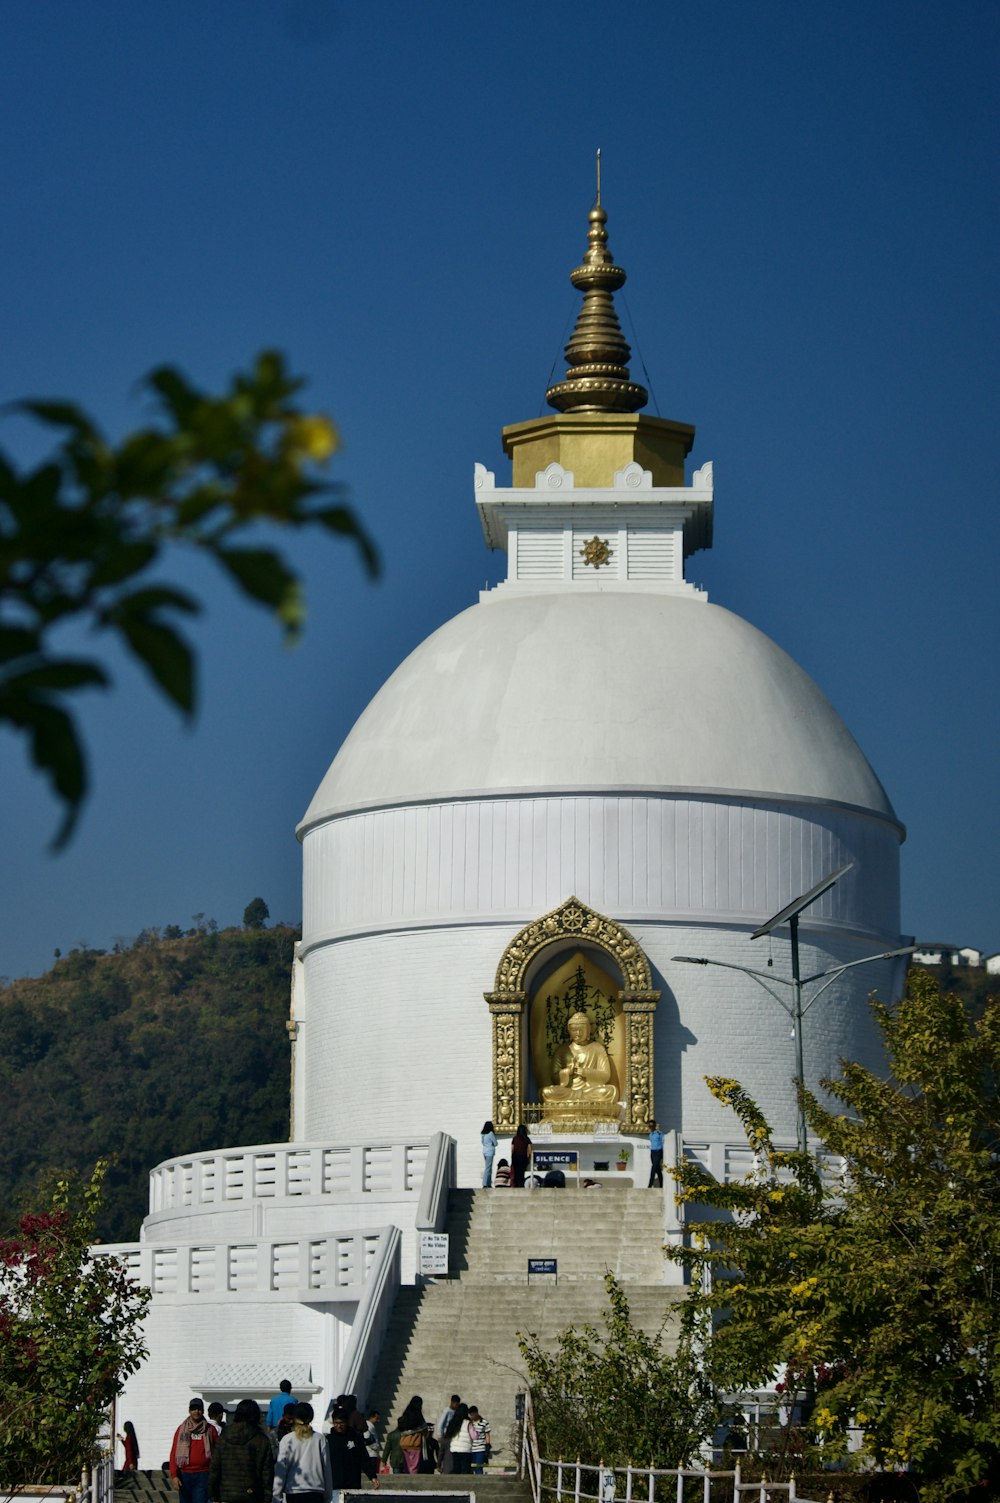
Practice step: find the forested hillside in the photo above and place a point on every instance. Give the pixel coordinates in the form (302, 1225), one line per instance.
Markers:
(170, 1046)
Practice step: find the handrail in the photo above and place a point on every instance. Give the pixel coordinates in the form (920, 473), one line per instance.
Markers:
(439, 1176)
(529, 1462)
(372, 1317)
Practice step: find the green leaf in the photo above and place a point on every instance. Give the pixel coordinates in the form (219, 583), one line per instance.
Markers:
(55, 751)
(165, 655)
(61, 415)
(261, 574)
(343, 521)
(180, 397)
(121, 562)
(153, 598)
(50, 676)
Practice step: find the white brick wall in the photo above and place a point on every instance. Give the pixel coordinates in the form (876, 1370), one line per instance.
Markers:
(186, 1338)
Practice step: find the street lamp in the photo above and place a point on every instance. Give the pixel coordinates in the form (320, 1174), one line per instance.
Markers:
(795, 1008)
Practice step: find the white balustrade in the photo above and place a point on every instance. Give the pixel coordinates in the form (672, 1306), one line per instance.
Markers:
(286, 1171)
(323, 1268)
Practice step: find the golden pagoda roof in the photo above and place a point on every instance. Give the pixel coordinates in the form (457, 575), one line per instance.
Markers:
(598, 353)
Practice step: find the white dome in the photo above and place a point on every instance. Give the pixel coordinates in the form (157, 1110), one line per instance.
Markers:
(567, 692)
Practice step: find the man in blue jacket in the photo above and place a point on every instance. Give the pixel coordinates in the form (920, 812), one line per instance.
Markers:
(276, 1408)
(655, 1155)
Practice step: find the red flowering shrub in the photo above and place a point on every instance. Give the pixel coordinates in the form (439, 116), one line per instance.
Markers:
(70, 1333)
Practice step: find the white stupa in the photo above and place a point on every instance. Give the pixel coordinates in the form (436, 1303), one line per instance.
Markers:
(593, 732)
(588, 773)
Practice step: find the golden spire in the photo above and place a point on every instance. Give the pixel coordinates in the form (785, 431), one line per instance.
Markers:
(598, 353)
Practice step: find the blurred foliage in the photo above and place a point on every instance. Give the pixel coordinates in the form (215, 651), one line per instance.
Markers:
(877, 1296)
(169, 1046)
(85, 536)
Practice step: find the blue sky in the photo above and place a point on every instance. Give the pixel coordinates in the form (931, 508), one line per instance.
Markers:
(805, 199)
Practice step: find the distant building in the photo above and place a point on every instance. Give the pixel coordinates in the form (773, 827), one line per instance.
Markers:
(943, 955)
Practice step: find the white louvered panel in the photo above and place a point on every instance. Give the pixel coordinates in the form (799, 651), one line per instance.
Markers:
(653, 555)
(164, 1279)
(539, 554)
(203, 1270)
(416, 1158)
(378, 1169)
(284, 1265)
(319, 1263)
(336, 1171)
(265, 1173)
(242, 1272)
(299, 1172)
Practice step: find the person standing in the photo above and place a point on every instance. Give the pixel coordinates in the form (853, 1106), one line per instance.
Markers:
(479, 1429)
(441, 1434)
(655, 1154)
(460, 1441)
(489, 1149)
(347, 1454)
(276, 1408)
(520, 1156)
(130, 1442)
(413, 1432)
(302, 1471)
(191, 1454)
(372, 1443)
(217, 1415)
(242, 1466)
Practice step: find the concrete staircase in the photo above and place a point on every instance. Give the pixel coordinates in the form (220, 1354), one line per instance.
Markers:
(459, 1335)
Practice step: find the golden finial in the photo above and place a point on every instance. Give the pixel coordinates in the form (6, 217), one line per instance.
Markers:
(598, 353)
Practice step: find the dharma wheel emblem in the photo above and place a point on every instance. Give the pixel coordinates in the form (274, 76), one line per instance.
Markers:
(596, 551)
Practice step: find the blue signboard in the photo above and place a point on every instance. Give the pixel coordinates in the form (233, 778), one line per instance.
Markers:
(555, 1158)
(543, 1265)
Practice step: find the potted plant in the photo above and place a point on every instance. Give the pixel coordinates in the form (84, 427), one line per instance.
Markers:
(624, 1154)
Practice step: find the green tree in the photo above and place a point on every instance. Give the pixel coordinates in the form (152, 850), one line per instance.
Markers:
(877, 1293)
(585, 1390)
(85, 534)
(70, 1333)
(256, 914)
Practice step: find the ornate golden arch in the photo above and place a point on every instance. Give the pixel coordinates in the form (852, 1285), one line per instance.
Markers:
(572, 920)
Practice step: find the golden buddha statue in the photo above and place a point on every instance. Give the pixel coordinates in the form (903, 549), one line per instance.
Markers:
(581, 1072)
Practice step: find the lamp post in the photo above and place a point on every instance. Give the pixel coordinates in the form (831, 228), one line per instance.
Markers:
(795, 1008)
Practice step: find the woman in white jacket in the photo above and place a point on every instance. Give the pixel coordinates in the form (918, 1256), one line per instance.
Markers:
(460, 1449)
(302, 1471)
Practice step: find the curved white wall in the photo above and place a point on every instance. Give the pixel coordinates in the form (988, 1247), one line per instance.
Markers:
(407, 912)
(723, 860)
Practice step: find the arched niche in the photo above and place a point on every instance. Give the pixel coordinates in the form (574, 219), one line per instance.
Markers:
(571, 925)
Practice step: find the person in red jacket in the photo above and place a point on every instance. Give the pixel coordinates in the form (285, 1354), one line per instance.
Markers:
(191, 1454)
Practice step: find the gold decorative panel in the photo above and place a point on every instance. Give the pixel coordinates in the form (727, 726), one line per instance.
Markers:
(629, 1028)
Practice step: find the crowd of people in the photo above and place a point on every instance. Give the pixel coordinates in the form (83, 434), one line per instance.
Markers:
(280, 1455)
(459, 1442)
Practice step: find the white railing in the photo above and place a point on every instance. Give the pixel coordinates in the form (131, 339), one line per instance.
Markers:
(286, 1171)
(292, 1268)
(564, 1481)
(439, 1177)
(372, 1318)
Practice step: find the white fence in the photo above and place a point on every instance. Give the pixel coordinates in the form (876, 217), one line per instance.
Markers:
(285, 1171)
(562, 1482)
(304, 1268)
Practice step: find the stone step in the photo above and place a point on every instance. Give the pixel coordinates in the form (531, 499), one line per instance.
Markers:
(459, 1334)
